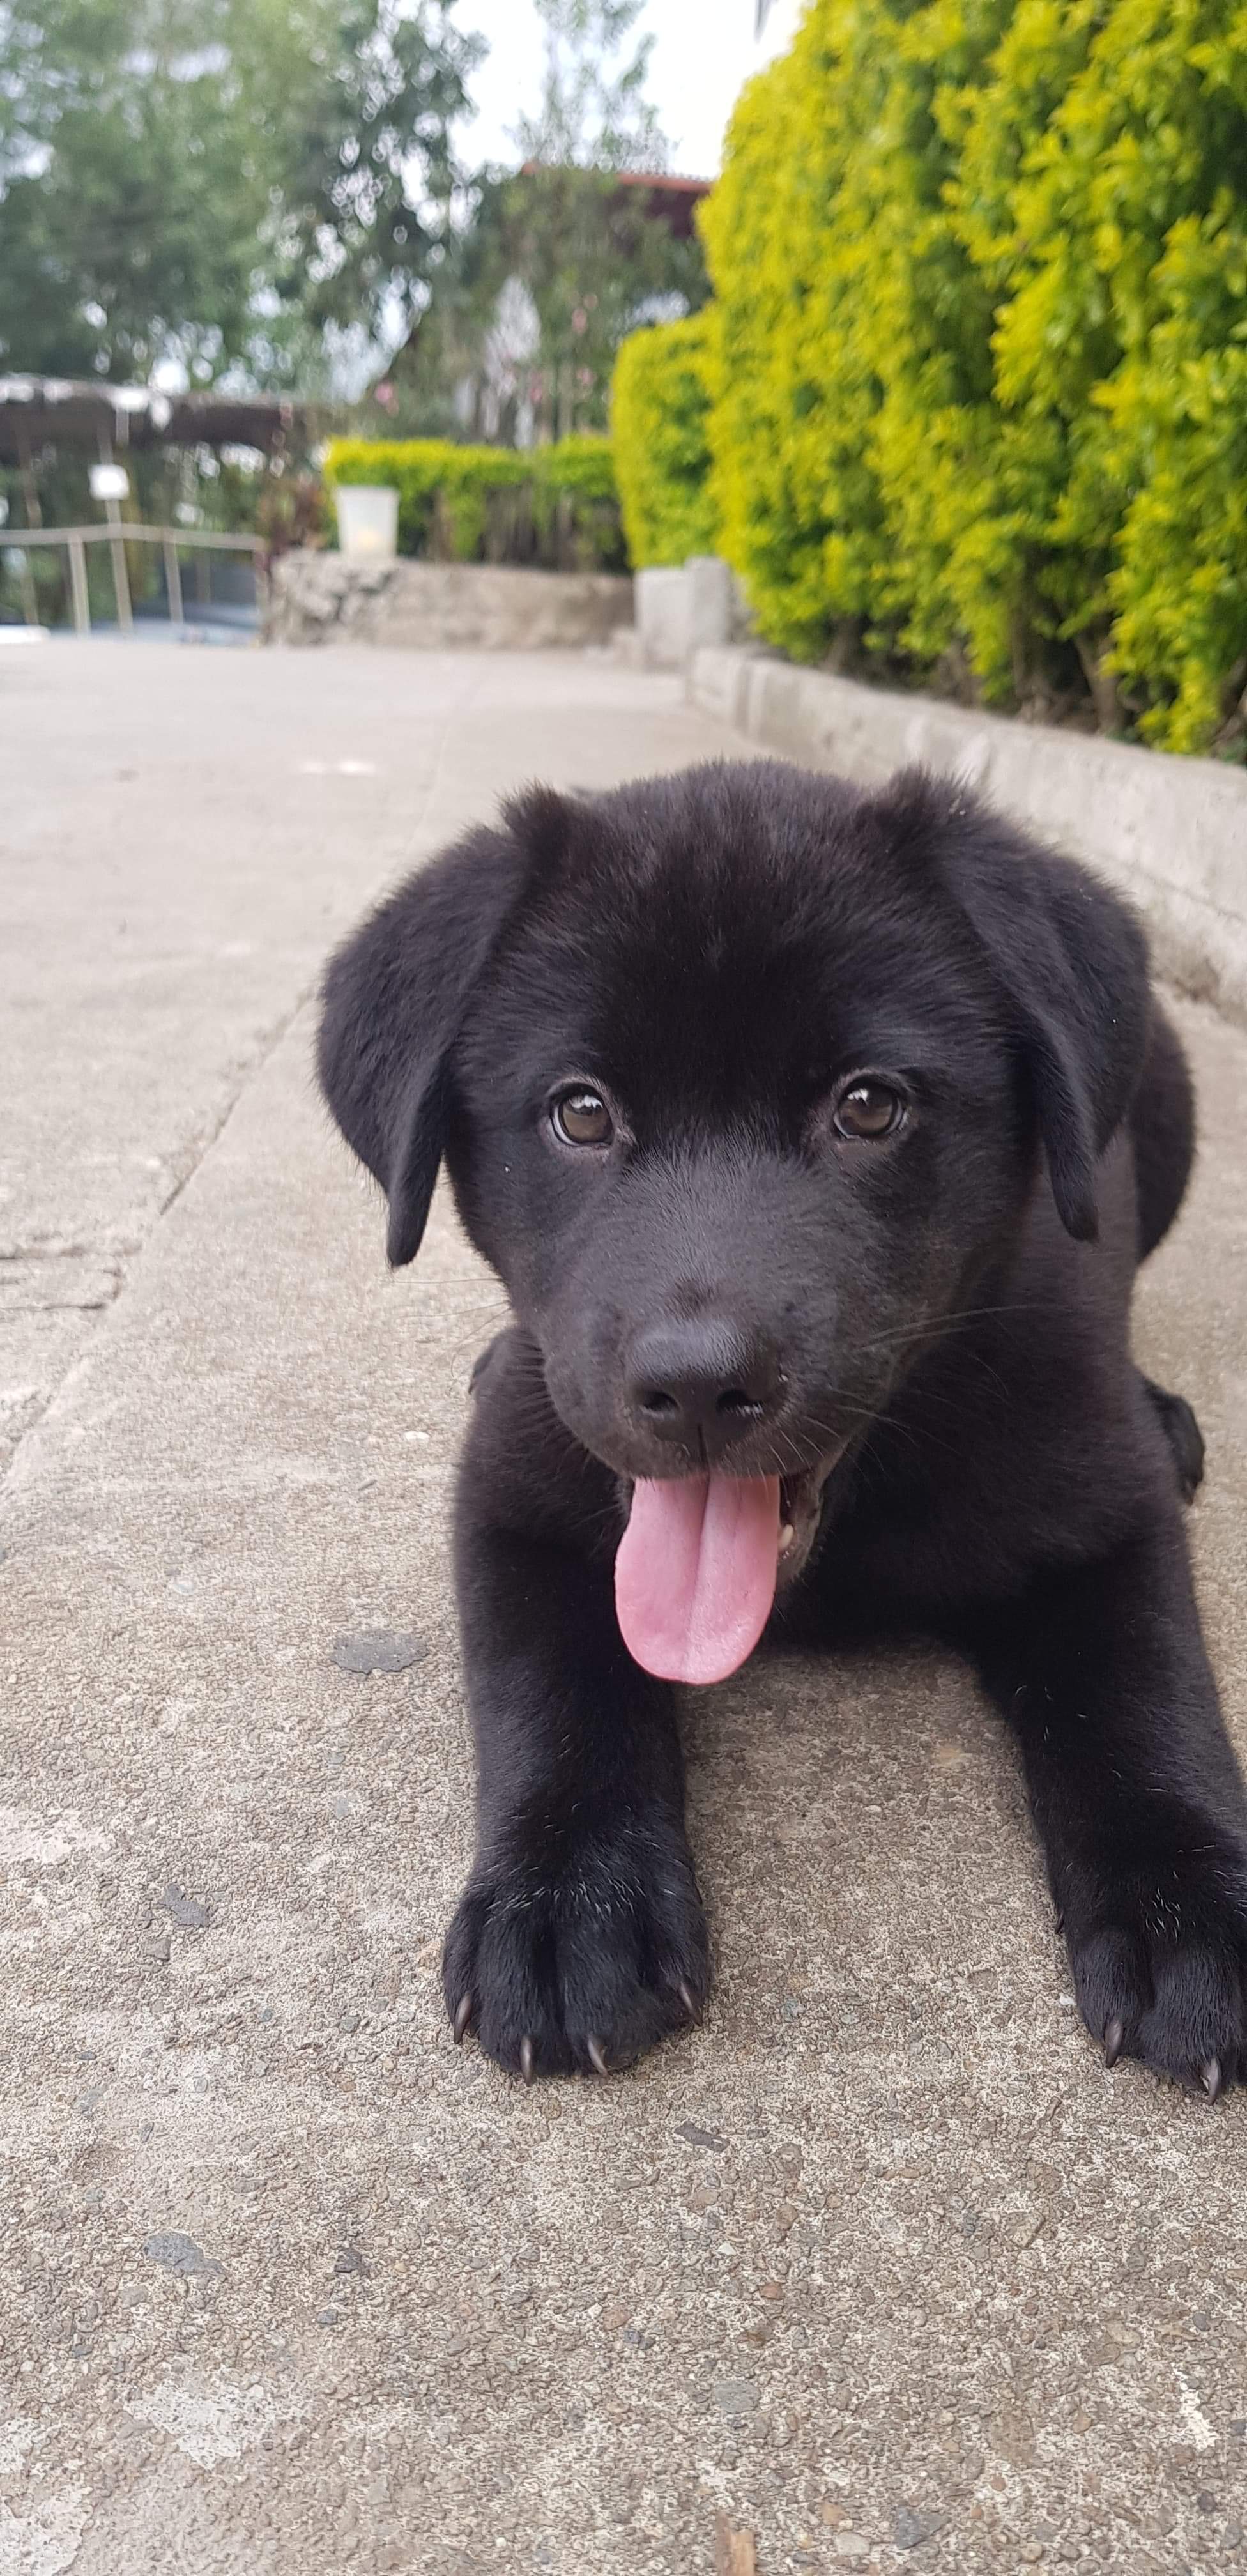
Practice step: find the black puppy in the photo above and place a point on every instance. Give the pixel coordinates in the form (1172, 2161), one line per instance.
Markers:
(816, 1137)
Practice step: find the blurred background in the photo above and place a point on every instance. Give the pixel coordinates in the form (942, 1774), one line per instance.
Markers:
(928, 321)
(277, 219)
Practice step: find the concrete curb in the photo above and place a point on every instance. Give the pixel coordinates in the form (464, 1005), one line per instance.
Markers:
(1171, 834)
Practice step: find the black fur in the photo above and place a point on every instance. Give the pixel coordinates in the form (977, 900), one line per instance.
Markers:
(715, 953)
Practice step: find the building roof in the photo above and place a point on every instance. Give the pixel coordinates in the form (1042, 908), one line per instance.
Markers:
(667, 181)
(673, 200)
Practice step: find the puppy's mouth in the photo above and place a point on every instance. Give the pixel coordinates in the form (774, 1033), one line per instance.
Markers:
(800, 1511)
(701, 1561)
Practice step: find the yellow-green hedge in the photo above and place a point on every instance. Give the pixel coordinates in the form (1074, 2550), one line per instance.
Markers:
(556, 505)
(659, 404)
(979, 368)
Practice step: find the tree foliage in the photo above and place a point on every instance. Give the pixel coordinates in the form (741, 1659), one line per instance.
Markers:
(245, 185)
(120, 125)
(371, 169)
(594, 111)
(216, 179)
(554, 264)
(552, 271)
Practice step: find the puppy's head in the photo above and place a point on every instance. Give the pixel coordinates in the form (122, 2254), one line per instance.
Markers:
(742, 1078)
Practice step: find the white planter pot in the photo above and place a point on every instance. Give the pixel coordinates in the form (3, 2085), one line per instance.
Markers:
(367, 521)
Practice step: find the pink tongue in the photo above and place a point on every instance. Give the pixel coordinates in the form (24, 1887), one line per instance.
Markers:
(695, 1574)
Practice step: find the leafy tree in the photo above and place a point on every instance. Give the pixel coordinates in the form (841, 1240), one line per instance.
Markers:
(556, 263)
(132, 186)
(371, 172)
(245, 185)
(553, 269)
(594, 112)
(217, 180)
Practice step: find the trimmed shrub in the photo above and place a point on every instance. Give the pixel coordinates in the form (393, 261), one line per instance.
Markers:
(794, 392)
(660, 401)
(555, 506)
(1121, 247)
(980, 369)
(852, 427)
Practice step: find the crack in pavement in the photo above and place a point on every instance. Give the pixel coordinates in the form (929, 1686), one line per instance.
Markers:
(62, 1306)
(47, 1373)
(184, 1165)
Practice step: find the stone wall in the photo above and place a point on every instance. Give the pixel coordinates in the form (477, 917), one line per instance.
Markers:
(329, 598)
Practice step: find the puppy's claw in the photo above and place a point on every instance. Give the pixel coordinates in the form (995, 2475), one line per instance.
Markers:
(1113, 2037)
(1212, 2078)
(462, 2017)
(597, 2056)
(688, 1999)
(526, 2059)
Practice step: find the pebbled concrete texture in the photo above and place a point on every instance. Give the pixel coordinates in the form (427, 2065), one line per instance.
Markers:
(880, 2268)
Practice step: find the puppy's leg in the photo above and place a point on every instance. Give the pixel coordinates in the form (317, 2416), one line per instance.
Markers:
(1139, 1801)
(580, 1938)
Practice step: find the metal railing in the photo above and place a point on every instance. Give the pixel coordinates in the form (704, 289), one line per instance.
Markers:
(119, 534)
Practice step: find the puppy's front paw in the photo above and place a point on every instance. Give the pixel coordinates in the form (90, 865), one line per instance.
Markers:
(1160, 1969)
(583, 1966)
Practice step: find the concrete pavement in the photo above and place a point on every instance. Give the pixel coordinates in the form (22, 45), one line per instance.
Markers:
(880, 2268)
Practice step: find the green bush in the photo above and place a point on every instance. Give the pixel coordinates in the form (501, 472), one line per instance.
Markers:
(854, 432)
(793, 399)
(660, 401)
(557, 506)
(979, 371)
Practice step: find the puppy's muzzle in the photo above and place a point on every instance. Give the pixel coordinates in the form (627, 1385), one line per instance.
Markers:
(701, 1386)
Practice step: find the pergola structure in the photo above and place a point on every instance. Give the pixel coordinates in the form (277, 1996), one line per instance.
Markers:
(103, 422)
(41, 411)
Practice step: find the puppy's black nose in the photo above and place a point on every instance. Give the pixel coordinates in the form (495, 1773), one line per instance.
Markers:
(701, 1384)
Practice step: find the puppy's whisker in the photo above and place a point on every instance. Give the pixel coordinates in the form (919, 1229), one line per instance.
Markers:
(934, 1327)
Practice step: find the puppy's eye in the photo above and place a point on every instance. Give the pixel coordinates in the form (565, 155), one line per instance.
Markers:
(581, 1117)
(868, 1110)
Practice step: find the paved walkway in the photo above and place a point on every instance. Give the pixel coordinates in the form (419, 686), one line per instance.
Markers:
(881, 2266)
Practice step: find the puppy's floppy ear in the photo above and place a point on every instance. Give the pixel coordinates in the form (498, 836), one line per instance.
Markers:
(1070, 959)
(394, 998)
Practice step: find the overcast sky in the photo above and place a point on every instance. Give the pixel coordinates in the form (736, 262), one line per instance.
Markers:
(705, 49)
